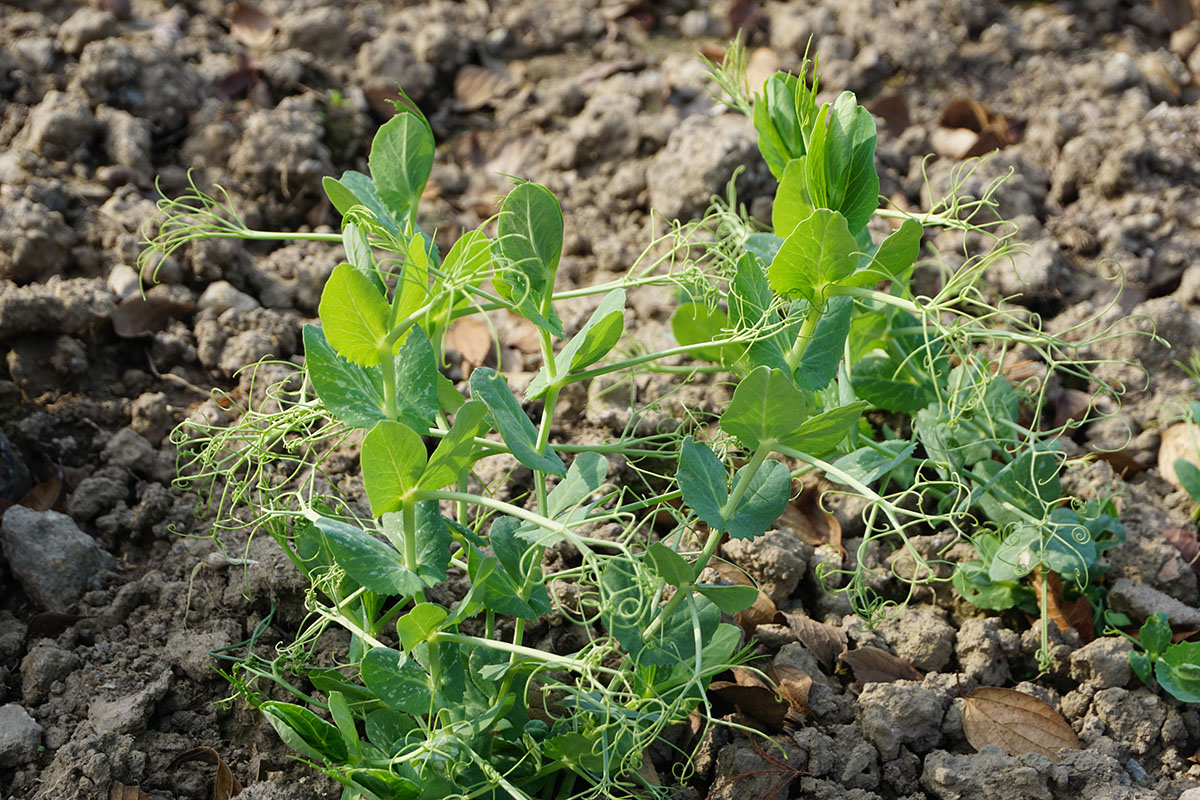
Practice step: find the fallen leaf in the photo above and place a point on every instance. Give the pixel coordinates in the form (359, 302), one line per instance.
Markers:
(812, 523)
(49, 624)
(1065, 614)
(476, 86)
(794, 684)
(46, 494)
(119, 791)
(382, 100)
(605, 69)
(1016, 723)
(872, 665)
(1186, 543)
(825, 642)
(250, 25)
(473, 341)
(521, 334)
(226, 785)
(743, 15)
(137, 316)
(760, 613)
(968, 129)
(1122, 463)
(892, 108)
(1176, 13)
(751, 695)
(1181, 440)
(1195, 757)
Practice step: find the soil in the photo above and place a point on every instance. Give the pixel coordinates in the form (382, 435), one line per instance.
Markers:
(111, 602)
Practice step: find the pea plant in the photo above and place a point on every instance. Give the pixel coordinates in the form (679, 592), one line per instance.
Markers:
(437, 578)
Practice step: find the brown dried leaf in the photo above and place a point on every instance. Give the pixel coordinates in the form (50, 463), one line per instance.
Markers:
(743, 15)
(138, 316)
(250, 25)
(119, 791)
(1181, 440)
(1064, 614)
(1122, 463)
(892, 108)
(226, 785)
(473, 341)
(1186, 543)
(825, 642)
(963, 112)
(1177, 13)
(49, 624)
(750, 695)
(476, 86)
(1016, 723)
(46, 494)
(872, 665)
(762, 612)
(812, 523)
(794, 684)
(1195, 757)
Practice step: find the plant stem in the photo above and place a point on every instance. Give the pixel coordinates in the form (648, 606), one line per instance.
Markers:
(387, 366)
(409, 511)
(804, 336)
(519, 650)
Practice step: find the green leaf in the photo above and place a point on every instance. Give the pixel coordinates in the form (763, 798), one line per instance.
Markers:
(781, 114)
(765, 499)
(397, 680)
(356, 189)
(792, 204)
(416, 381)
(730, 599)
(412, 291)
(765, 405)
(586, 475)
(971, 581)
(869, 464)
(593, 341)
(1143, 667)
(852, 134)
(382, 784)
(515, 428)
(393, 460)
(669, 565)
(750, 307)
(354, 315)
(1155, 635)
(371, 563)
(1069, 549)
(819, 434)
(818, 254)
(358, 253)
(339, 709)
(695, 323)
(675, 641)
(529, 244)
(877, 380)
(507, 547)
(457, 451)
(400, 161)
(449, 397)
(576, 751)
(702, 480)
(418, 625)
(345, 388)
(1019, 555)
(824, 352)
(433, 540)
(763, 245)
(1178, 671)
(1189, 478)
(305, 732)
(893, 260)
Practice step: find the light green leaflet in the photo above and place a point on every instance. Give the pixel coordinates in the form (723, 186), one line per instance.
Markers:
(457, 451)
(354, 315)
(768, 408)
(400, 161)
(393, 460)
(597, 336)
(529, 239)
(818, 254)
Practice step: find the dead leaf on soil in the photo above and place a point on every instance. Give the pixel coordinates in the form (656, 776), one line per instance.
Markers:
(872, 665)
(1186, 543)
(49, 624)
(473, 341)
(1121, 462)
(751, 695)
(46, 494)
(825, 642)
(1181, 440)
(1195, 757)
(812, 523)
(968, 129)
(226, 785)
(476, 86)
(1016, 723)
(794, 684)
(1177, 13)
(743, 16)
(892, 108)
(137, 316)
(119, 791)
(763, 610)
(250, 25)
(1065, 614)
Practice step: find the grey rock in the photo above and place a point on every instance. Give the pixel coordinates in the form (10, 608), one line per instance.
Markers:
(35, 241)
(921, 636)
(15, 480)
(742, 772)
(150, 415)
(221, 296)
(98, 493)
(388, 59)
(984, 647)
(700, 155)
(986, 775)
(1103, 662)
(1133, 719)
(129, 450)
(139, 76)
(49, 556)
(1140, 601)
(901, 713)
(42, 667)
(71, 306)
(126, 137)
(20, 736)
(59, 127)
(84, 27)
(129, 714)
(777, 561)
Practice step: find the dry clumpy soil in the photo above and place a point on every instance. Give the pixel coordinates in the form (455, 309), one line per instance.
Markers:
(107, 616)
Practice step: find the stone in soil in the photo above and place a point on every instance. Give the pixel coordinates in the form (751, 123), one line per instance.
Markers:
(20, 736)
(50, 557)
(1140, 601)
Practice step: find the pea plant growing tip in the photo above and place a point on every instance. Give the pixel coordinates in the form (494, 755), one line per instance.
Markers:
(437, 579)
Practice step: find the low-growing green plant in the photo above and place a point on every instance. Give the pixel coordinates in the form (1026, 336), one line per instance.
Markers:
(1186, 471)
(838, 365)
(1175, 666)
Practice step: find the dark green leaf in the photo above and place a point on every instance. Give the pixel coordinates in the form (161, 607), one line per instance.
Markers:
(528, 245)
(750, 301)
(433, 540)
(1178, 671)
(372, 563)
(766, 406)
(587, 474)
(1189, 478)
(416, 381)
(819, 434)
(593, 341)
(305, 732)
(516, 429)
(730, 599)
(345, 388)
(702, 480)
(824, 352)
(457, 451)
(393, 460)
(877, 380)
(669, 565)
(765, 499)
(382, 784)
(400, 161)
(764, 246)
(894, 258)
(397, 680)
(1143, 667)
(339, 709)
(1018, 556)
(971, 581)
(868, 464)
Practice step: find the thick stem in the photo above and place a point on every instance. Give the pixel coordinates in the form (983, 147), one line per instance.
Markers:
(387, 366)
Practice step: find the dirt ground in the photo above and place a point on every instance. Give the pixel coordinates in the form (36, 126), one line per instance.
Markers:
(108, 614)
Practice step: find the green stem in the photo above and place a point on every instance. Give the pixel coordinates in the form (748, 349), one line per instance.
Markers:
(521, 651)
(387, 366)
(804, 337)
(409, 511)
(685, 349)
